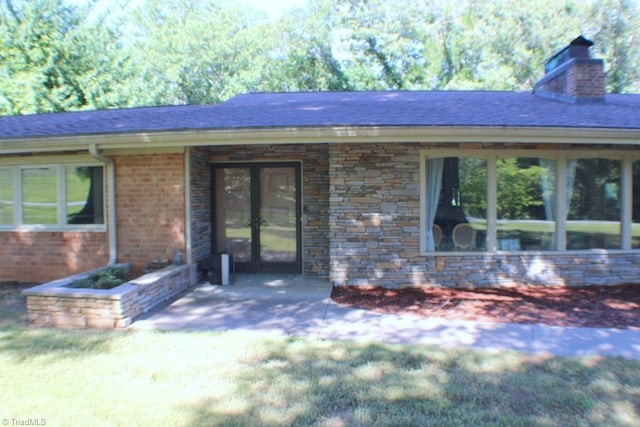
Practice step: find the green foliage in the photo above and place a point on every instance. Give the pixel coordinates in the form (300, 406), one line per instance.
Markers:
(59, 57)
(518, 189)
(616, 41)
(473, 186)
(54, 59)
(107, 278)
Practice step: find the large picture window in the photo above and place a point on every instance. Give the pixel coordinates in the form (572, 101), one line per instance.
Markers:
(457, 203)
(505, 201)
(51, 196)
(525, 203)
(593, 219)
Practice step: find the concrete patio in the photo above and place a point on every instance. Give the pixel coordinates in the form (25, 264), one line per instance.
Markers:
(296, 305)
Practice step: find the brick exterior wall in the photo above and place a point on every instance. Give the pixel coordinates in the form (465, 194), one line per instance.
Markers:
(43, 256)
(375, 234)
(586, 79)
(315, 192)
(150, 205)
(578, 78)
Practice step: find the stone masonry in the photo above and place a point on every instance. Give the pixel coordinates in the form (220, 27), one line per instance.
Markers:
(54, 304)
(375, 234)
(200, 176)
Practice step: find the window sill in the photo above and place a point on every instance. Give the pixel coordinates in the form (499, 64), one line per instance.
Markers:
(532, 252)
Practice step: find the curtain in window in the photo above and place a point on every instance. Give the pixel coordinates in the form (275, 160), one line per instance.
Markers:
(571, 178)
(548, 187)
(548, 184)
(434, 186)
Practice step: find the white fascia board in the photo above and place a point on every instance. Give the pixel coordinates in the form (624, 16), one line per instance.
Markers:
(340, 134)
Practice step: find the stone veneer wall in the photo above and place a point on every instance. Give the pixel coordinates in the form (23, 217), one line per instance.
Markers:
(315, 192)
(375, 233)
(55, 304)
(200, 177)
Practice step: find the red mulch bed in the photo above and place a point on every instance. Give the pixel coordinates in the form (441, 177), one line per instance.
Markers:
(589, 306)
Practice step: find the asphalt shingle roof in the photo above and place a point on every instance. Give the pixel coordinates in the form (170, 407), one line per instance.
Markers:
(334, 109)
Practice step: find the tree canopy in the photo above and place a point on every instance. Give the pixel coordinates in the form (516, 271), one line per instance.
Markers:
(56, 56)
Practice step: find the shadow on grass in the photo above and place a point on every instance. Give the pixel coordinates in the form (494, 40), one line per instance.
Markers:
(298, 382)
(23, 343)
(13, 305)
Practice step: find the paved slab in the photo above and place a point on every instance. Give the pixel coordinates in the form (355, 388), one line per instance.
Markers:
(301, 306)
(587, 341)
(272, 304)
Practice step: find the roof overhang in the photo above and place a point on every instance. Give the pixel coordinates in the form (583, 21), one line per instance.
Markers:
(334, 134)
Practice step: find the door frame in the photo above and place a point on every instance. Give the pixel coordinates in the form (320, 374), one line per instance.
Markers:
(256, 265)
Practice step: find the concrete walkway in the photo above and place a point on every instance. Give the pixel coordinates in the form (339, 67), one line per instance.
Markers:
(301, 306)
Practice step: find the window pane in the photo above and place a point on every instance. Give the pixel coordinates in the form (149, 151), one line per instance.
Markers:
(526, 204)
(39, 196)
(6, 196)
(84, 195)
(594, 212)
(635, 226)
(459, 222)
(233, 213)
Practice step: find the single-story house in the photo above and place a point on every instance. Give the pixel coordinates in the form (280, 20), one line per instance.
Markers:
(392, 188)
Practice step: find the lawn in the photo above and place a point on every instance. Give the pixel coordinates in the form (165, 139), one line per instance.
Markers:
(238, 378)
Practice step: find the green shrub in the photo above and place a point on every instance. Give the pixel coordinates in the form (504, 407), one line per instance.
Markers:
(107, 278)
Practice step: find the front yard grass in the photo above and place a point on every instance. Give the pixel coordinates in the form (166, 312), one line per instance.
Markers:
(240, 378)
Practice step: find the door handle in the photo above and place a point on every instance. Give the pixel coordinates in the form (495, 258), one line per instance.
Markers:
(259, 222)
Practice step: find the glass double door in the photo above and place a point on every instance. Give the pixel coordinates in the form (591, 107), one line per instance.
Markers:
(256, 215)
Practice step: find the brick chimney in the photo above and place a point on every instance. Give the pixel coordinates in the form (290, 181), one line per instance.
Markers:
(571, 75)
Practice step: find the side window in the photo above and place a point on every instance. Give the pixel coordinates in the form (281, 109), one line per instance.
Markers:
(39, 196)
(55, 196)
(84, 195)
(6, 196)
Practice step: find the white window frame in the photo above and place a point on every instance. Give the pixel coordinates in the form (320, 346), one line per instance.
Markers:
(60, 169)
(561, 157)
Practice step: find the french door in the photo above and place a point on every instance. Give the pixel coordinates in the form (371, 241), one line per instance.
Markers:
(256, 215)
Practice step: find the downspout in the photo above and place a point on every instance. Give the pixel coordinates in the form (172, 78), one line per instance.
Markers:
(111, 202)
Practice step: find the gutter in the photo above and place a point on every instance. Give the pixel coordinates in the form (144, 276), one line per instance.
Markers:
(326, 134)
(111, 202)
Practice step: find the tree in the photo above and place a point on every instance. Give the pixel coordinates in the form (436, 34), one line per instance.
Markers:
(54, 59)
(616, 28)
(304, 56)
(194, 52)
(519, 187)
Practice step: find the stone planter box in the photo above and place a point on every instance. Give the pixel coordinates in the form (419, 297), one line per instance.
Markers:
(56, 304)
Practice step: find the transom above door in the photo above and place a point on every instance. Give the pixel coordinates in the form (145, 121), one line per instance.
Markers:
(256, 215)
